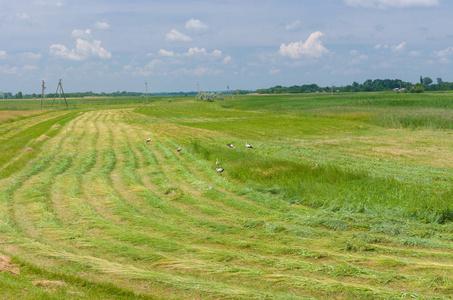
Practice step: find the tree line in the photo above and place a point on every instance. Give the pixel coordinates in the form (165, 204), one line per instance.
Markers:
(377, 85)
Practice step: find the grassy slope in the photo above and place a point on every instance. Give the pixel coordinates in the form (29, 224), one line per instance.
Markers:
(96, 208)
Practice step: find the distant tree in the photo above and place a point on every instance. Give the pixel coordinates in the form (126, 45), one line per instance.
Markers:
(210, 97)
(439, 81)
(427, 81)
(19, 95)
(418, 88)
(421, 79)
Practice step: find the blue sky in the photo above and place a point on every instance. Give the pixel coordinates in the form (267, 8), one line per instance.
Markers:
(113, 45)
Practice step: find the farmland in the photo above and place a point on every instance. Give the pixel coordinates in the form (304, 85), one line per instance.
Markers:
(347, 196)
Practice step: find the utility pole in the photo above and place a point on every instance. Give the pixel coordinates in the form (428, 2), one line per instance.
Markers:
(228, 87)
(146, 84)
(43, 95)
(59, 90)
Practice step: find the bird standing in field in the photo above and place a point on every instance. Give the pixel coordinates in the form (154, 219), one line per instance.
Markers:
(217, 162)
(248, 146)
(220, 170)
(179, 149)
(230, 145)
(148, 140)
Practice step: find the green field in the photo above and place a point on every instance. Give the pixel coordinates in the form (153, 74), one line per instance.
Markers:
(347, 196)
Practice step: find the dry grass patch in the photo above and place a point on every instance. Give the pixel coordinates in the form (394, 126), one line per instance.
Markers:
(48, 283)
(56, 126)
(7, 115)
(42, 138)
(7, 266)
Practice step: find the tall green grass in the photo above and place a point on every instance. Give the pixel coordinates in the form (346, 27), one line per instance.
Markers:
(334, 188)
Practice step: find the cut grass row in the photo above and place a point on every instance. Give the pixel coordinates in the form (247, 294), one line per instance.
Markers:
(100, 208)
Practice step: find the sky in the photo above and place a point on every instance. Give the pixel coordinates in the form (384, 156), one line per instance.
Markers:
(178, 45)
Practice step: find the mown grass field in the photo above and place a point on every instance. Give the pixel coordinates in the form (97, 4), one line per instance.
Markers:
(344, 197)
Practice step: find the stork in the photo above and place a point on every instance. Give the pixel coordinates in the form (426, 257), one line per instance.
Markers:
(220, 170)
(248, 146)
(179, 149)
(230, 145)
(217, 162)
(148, 140)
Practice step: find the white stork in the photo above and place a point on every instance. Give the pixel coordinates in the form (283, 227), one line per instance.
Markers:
(248, 146)
(179, 149)
(220, 170)
(148, 140)
(230, 145)
(217, 162)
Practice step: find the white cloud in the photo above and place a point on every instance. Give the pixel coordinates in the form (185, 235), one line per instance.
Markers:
(398, 48)
(102, 25)
(85, 47)
(10, 71)
(196, 24)
(201, 51)
(176, 36)
(2, 54)
(24, 17)
(77, 33)
(227, 59)
(312, 47)
(415, 53)
(31, 55)
(444, 54)
(383, 4)
(29, 68)
(166, 53)
(293, 25)
(380, 46)
(274, 71)
(147, 70)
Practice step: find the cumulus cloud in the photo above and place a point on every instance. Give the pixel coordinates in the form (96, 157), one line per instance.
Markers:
(196, 24)
(102, 25)
(443, 55)
(293, 25)
(383, 4)
(166, 53)
(176, 36)
(85, 47)
(202, 51)
(312, 47)
(31, 55)
(394, 48)
(24, 17)
(8, 70)
(148, 69)
(77, 33)
(398, 48)
(195, 51)
(227, 59)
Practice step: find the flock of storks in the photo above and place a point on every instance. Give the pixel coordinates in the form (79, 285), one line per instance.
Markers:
(217, 163)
